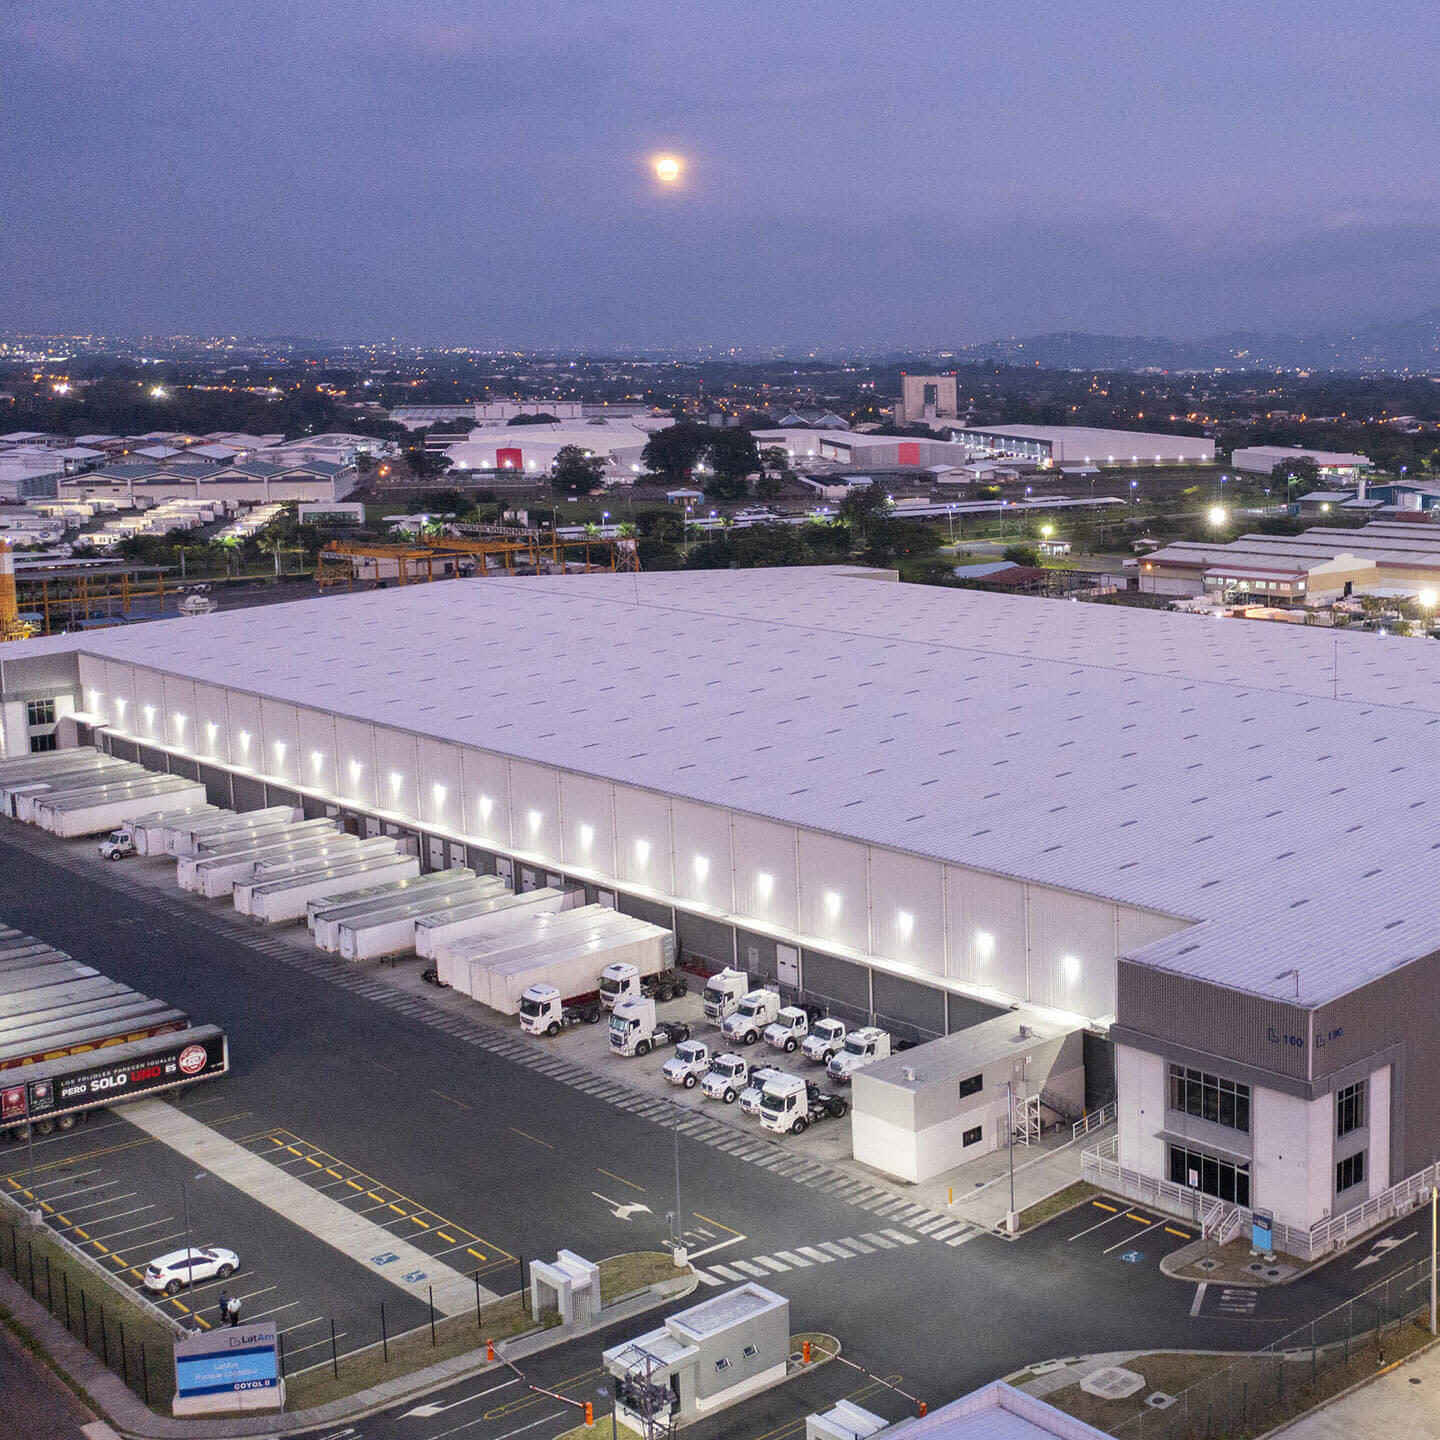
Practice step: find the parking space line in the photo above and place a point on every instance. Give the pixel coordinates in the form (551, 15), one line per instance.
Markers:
(301, 1324)
(288, 1305)
(1179, 1234)
(1129, 1239)
(476, 1253)
(1099, 1224)
(96, 1204)
(70, 1179)
(119, 1215)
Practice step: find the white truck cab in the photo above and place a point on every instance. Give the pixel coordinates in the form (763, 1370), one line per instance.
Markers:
(727, 1077)
(826, 1038)
(754, 1012)
(723, 992)
(862, 1047)
(634, 1029)
(788, 1029)
(790, 1105)
(118, 844)
(750, 1095)
(689, 1062)
(545, 1011)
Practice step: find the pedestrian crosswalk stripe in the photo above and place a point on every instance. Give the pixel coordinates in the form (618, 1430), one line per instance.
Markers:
(835, 1249)
(930, 1225)
(880, 1241)
(902, 1237)
(726, 1273)
(791, 1258)
(776, 1265)
(859, 1245)
(748, 1268)
(815, 1254)
(705, 1278)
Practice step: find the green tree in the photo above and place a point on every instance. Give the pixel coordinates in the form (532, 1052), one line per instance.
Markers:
(775, 457)
(1022, 555)
(677, 449)
(1295, 476)
(768, 486)
(543, 418)
(863, 505)
(574, 472)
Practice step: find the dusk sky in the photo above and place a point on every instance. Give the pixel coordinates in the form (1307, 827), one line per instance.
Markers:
(854, 173)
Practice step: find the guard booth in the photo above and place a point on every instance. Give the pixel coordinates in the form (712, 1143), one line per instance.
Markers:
(701, 1360)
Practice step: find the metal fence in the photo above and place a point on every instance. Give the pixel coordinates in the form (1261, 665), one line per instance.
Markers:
(1222, 1221)
(1259, 1390)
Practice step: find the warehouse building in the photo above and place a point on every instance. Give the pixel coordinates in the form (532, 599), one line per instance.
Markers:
(1262, 459)
(1209, 845)
(1318, 566)
(1078, 445)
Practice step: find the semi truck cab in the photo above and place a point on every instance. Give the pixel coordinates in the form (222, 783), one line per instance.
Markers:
(862, 1047)
(751, 1016)
(824, 1041)
(723, 992)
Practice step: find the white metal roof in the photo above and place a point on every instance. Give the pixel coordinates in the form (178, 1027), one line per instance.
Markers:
(1195, 766)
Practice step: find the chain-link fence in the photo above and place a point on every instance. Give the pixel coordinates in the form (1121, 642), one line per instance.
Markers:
(1323, 1357)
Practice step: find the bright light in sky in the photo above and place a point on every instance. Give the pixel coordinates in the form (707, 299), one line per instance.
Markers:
(667, 169)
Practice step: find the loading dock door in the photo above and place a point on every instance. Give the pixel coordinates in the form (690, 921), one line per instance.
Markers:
(529, 880)
(437, 853)
(787, 966)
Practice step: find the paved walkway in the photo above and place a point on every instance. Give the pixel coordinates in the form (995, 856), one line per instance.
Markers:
(1403, 1403)
(301, 1205)
(1040, 1170)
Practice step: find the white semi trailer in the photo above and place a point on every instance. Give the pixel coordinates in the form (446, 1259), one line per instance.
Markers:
(437, 936)
(77, 783)
(99, 811)
(215, 873)
(326, 915)
(192, 836)
(392, 931)
(571, 967)
(527, 926)
(283, 901)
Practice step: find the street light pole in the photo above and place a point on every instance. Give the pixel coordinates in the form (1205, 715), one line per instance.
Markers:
(677, 1250)
(1434, 1221)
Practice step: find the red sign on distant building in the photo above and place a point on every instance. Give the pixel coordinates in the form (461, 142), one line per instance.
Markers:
(511, 458)
(909, 452)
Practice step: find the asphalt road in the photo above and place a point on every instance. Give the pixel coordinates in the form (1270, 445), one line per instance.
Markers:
(528, 1164)
(29, 1390)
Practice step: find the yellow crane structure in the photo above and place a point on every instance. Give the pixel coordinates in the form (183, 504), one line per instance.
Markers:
(11, 626)
(507, 552)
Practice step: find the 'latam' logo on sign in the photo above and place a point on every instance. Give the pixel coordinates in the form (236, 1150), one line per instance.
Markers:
(192, 1059)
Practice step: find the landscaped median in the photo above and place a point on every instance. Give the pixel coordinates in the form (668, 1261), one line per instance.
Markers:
(118, 1326)
(1056, 1204)
(622, 1277)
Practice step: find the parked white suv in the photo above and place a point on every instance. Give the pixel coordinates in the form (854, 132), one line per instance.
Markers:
(169, 1274)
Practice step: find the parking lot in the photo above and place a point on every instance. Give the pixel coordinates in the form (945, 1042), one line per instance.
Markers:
(123, 1198)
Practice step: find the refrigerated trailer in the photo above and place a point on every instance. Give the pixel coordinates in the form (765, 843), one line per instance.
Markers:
(23, 798)
(436, 936)
(325, 915)
(214, 872)
(282, 901)
(53, 1094)
(147, 832)
(391, 931)
(105, 810)
(187, 838)
(548, 928)
(573, 971)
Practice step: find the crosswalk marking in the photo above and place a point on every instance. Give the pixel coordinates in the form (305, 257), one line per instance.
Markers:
(835, 1249)
(860, 1246)
(779, 1266)
(749, 1268)
(791, 1258)
(815, 1254)
(879, 1241)
(726, 1273)
(710, 1130)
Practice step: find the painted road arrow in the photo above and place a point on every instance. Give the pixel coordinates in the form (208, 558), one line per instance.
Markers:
(619, 1211)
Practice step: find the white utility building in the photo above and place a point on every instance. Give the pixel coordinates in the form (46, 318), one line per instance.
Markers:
(1209, 844)
(1262, 459)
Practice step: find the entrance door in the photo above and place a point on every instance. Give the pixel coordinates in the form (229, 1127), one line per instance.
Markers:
(437, 853)
(787, 966)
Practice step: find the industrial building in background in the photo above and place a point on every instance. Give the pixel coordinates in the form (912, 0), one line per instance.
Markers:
(1205, 847)
(926, 399)
(1048, 445)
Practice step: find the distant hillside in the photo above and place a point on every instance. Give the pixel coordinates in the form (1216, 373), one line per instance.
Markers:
(1411, 346)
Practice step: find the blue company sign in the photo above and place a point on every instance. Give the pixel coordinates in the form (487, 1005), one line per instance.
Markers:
(1298, 1041)
(227, 1361)
(1261, 1231)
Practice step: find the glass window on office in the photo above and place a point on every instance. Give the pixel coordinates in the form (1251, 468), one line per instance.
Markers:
(971, 1137)
(39, 712)
(972, 1085)
(1209, 1097)
(1350, 1112)
(1349, 1172)
(1223, 1179)
(42, 742)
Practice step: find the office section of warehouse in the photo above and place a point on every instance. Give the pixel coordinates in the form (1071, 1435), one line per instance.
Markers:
(1204, 848)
